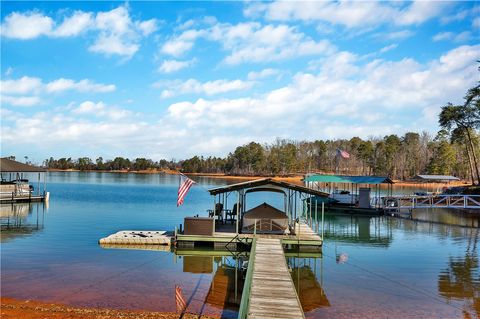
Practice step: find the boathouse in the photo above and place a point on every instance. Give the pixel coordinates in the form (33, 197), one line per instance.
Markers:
(361, 193)
(224, 227)
(16, 187)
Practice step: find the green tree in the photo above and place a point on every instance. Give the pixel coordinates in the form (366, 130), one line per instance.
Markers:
(443, 159)
(392, 147)
(464, 118)
(411, 153)
(365, 152)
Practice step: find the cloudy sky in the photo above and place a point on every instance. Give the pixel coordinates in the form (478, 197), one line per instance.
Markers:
(171, 80)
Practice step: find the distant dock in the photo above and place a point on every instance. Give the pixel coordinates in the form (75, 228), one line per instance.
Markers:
(16, 188)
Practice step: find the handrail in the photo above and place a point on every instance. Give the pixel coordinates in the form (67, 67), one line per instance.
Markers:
(247, 286)
(436, 201)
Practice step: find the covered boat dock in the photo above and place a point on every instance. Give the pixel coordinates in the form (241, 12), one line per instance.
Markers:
(352, 192)
(228, 228)
(15, 187)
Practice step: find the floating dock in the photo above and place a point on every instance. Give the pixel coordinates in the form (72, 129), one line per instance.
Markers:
(269, 291)
(137, 237)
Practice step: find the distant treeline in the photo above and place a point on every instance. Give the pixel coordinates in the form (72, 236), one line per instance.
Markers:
(117, 164)
(453, 151)
(399, 157)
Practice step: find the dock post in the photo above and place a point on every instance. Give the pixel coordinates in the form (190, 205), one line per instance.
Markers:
(323, 214)
(316, 217)
(310, 209)
(255, 228)
(238, 212)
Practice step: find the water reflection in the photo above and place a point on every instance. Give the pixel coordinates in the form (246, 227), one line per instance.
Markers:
(365, 230)
(461, 279)
(20, 219)
(225, 291)
(305, 275)
(459, 217)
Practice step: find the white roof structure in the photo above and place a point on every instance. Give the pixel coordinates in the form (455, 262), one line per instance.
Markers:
(437, 178)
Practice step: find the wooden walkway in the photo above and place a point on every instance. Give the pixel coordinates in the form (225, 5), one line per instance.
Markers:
(273, 294)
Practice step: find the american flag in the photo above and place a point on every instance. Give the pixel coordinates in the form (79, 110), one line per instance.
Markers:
(179, 300)
(185, 184)
(343, 153)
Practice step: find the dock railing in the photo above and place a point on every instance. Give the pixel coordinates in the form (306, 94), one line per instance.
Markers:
(247, 286)
(433, 201)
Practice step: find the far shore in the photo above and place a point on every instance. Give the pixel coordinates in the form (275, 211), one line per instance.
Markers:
(29, 309)
(295, 179)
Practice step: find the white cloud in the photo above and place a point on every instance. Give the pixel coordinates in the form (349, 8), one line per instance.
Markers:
(265, 73)
(176, 48)
(30, 85)
(339, 106)
(81, 86)
(180, 45)
(89, 107)
(74, 25)
(14, 91)
(23, 85)
(147, 27)
(20, 100)
(100, 109)
(9, 71)
(114, 44)
(313, 105)
(420, 11)
(28, 25)
(443, 36)
(117, 33)
(388, 48)
(460, 37)
(461, 15)
(350, 14)
(179, 87)
(169, 66)
(476, 23)
(396, 35)
(251, 42)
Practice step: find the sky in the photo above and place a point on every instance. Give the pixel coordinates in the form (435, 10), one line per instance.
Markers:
(169, 80)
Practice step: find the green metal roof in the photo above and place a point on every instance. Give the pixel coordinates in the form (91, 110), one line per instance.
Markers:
(348, 179)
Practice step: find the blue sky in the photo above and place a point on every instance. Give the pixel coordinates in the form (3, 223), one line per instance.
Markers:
(175, 79)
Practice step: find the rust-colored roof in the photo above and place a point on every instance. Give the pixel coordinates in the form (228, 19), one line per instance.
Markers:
(265, 211)
(8, 165)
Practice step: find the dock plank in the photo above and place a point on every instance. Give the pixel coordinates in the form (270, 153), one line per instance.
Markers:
(273, 294)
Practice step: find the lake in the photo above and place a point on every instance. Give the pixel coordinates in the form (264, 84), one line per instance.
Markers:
(372, 267)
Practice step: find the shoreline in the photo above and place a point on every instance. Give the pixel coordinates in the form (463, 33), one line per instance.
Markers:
(295, 179)
(12, 308)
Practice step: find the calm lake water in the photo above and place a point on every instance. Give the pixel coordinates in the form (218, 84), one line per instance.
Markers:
(389, 268)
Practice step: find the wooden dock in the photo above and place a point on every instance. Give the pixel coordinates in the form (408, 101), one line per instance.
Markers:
(272, 292)
(21, 199)
(302, 237)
